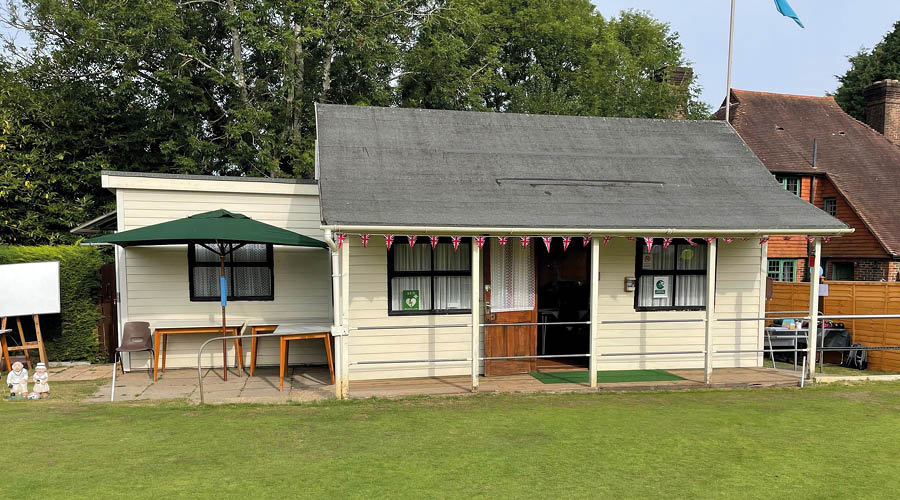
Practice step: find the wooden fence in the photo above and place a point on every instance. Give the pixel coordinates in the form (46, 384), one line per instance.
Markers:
(852, 297)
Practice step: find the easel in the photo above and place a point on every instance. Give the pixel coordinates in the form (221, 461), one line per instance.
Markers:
(24, 346)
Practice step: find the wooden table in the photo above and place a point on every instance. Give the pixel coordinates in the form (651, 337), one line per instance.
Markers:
(301, 331)
(161, 336)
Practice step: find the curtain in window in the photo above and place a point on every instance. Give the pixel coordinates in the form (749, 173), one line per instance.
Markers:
(452, 292)
(417, 258)
(691, 291)
(512, 277)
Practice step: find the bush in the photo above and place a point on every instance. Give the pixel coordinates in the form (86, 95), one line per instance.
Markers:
(71, 335)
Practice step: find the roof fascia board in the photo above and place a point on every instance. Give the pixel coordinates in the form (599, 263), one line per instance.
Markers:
(113, 182)
(557, 231)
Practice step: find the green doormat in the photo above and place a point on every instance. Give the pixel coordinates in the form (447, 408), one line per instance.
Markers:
(605, 377)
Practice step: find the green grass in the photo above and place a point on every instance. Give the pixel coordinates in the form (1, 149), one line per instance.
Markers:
(605, 377)
(819, 442)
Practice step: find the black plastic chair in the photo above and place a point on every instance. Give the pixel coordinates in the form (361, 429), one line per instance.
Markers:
(136, 338)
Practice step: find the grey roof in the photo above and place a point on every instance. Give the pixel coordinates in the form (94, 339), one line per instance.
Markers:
(153, 175)
(413, 167)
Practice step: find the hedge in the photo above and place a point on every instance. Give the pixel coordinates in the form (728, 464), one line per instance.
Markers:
(72, 334)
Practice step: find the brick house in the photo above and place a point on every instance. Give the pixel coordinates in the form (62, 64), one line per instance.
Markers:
(847, 168)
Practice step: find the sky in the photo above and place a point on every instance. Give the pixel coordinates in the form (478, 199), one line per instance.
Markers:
(771, 53)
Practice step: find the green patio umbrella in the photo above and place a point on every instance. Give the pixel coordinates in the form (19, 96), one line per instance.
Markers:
(220, 231)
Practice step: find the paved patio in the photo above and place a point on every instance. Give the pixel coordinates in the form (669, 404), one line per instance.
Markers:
(313, 384)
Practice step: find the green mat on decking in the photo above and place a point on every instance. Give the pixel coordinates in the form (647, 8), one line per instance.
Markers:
(605, 377)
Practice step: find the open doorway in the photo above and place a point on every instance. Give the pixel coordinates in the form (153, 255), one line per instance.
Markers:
(563, 296)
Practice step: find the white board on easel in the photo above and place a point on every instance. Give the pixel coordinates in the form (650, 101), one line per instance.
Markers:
(29, 289)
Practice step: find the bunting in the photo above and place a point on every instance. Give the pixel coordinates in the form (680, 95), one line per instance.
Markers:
(691, 242)
(810, 239)
(629, 238)
(667, 242)
(764, 239)
(388, 241)
(566, 240)
(547, 241)
(455, 241)
(787, 238)
(728, 240)
(479, 241)
(744, 238)
(606, 240)
(340, 239)
(364, 238)
(826, 239)
(501, 240)
(709, 240)
(433, 239)
(585, 241)
(412, 240)
(649, 242)
(525, 241)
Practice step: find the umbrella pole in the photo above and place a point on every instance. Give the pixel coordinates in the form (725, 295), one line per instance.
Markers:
(224, 294)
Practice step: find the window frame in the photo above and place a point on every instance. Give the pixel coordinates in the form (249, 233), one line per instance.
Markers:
(639, 271)
(785, 181)
(229, 264)
(833, 202)
(780, 271)
(431, 273)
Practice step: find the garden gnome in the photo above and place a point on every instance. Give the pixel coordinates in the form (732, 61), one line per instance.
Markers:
(17, 380)
(41, 387)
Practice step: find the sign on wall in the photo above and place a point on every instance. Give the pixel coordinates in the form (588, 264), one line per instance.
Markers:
(661, 287)
(27, 289)
(410, 300)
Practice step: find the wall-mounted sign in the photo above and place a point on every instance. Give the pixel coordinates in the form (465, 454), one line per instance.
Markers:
(410, 300)
(661, 287)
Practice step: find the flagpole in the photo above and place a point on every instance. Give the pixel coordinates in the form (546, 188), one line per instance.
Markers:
(728, 79)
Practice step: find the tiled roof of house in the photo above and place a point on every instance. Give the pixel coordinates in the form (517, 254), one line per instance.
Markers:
(414, 167)
(863, 165)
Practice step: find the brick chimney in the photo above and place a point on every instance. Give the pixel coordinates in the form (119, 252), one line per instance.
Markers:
(679, 77)
(883, 108)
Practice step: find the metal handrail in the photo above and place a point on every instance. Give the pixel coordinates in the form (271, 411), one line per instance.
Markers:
(660, 353)
(543, 356)
(396, 361)
(538, 323)
(410, 327)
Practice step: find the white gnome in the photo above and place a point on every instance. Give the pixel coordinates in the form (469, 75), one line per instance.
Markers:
(41, 387)
(17, 380)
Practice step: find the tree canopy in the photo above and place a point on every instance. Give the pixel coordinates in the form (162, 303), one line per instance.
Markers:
(866, 68)
(228, 87)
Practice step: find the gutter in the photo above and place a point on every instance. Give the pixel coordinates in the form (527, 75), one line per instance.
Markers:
(519, 231)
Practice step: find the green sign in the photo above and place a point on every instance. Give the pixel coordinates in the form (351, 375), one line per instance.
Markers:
(410, 300)
(661, 287)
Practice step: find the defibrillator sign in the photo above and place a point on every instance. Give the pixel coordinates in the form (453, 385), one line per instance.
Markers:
(661, 287)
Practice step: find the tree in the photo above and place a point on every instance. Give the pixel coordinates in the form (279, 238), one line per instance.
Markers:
(546, 57)
(866, 68)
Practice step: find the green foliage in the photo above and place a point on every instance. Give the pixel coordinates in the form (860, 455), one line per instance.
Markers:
(228, 86)
(72, 335)
(866, 68)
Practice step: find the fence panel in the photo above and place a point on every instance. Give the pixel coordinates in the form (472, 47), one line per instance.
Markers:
(852, 297)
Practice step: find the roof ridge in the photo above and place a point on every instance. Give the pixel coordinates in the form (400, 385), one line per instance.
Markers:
(780, 94)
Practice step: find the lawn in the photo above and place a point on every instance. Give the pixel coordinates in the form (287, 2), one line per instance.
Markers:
(818, 442)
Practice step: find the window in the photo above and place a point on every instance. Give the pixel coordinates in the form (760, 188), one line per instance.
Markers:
(672, 278)
(830, 206)
(249, 271)
(426, 281)
(789, 182)
(842, 271)
(782, 270)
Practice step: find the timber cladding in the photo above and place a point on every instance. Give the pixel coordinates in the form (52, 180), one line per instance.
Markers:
(850, 297)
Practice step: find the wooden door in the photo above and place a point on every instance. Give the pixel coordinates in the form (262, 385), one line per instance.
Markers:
(109, 324)
(507, 340)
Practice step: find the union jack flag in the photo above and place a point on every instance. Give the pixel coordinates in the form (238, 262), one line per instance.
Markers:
(525, 241)
(649, 242)
(585, 240)
(826, 239)
(606, 240)
(787, 238)
(566, 240)
(810, 239)
(455, 241)
(479, 240)
(764, 239)
(341, 237)
(667, 242)
(501, 240)
(728, 240)
(364, 238)
(547, 240)
(709, 240)
(433, 239)
(388, 240)
(412, 240)
(691, 242)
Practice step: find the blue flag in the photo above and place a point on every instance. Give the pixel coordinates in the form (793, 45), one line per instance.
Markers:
(787, 11)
